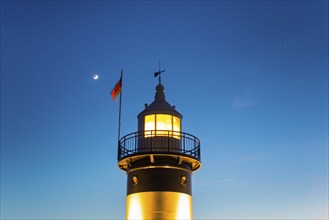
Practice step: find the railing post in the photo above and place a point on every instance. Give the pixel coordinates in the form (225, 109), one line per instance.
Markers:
(135, 140)
(168, 140)
(194, 148)
(151, 139)
(184, 142)
(199, 152)
(124, 145)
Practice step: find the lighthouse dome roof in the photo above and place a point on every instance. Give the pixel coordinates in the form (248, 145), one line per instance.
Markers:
(160, 105)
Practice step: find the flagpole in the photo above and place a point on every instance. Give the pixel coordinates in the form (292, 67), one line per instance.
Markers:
(119, 124)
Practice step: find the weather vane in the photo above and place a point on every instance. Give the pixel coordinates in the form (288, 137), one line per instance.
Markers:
(159, 73)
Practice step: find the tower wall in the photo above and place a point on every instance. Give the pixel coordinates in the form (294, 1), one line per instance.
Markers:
(161, 192)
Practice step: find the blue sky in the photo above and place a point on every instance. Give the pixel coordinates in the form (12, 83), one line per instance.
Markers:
(249, 77)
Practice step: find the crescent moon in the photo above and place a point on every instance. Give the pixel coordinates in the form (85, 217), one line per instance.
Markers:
(95, 77)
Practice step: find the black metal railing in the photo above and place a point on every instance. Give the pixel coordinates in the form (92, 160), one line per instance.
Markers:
(159, 142)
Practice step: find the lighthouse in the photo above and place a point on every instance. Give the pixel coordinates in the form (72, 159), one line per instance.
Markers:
(159, 160)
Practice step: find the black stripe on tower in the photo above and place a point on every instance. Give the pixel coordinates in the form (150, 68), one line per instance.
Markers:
(159, 179)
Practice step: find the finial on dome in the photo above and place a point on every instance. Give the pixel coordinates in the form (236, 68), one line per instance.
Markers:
(159, 95)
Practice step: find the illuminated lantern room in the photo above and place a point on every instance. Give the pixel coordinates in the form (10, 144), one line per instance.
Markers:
(160, 119)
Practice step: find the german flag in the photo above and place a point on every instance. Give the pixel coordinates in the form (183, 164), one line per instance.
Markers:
(117, 89)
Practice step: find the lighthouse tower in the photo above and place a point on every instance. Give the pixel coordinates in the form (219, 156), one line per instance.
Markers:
(159, 160)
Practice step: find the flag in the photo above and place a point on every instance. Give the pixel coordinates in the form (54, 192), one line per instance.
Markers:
(117, 89)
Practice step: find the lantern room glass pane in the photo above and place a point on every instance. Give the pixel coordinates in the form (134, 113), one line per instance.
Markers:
(163, 124)
(176, 123)
(176, 127)
(149, 125)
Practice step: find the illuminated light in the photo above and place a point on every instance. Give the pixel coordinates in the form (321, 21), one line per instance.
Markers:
(149, 125)
(163, 125)
(176, 127)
